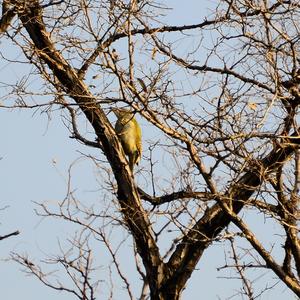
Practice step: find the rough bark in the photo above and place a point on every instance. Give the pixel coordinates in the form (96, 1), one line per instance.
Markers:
(129, 200)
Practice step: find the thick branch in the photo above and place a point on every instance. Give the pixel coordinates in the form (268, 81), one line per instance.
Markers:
(8, 13)
(180, 195)
(134, 215)
(188, 252)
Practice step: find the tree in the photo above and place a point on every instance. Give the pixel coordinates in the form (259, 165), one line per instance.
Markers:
(223, 95)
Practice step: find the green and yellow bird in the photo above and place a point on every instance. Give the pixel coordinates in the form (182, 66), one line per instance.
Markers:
(130, 135)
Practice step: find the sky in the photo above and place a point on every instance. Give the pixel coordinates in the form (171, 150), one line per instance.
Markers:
(36, 154)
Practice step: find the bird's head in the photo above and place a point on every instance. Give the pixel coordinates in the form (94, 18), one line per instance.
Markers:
(122, 112)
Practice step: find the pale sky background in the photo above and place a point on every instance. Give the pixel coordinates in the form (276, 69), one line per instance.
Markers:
(36, 154)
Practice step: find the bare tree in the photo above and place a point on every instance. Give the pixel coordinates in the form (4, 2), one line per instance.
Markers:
(223, 95)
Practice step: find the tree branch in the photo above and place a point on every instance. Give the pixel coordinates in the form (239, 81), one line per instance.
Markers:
(133, 212)
(8, 13)
(190, 249)
(9, 235)
(180, 195)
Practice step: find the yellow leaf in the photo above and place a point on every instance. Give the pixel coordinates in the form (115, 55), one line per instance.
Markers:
(252, 105)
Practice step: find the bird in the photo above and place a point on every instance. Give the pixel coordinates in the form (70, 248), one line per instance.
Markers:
(130, 134)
